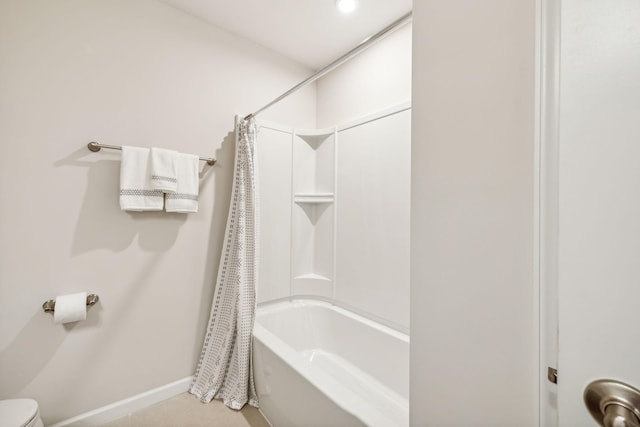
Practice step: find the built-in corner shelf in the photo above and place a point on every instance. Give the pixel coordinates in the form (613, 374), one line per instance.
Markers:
(313, 198)
(313, 213)
(312, 284)
(312, 276)
(315, 137)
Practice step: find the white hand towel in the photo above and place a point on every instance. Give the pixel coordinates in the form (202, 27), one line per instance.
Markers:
(163, 169)
(185, 199)
(136, 193)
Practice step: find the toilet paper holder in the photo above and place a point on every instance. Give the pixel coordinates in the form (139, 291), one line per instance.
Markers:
(50, 306)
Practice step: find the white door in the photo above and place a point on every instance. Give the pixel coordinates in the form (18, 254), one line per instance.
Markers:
(598, 200)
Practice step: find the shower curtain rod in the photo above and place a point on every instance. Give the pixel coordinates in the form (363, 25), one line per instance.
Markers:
(405, 19)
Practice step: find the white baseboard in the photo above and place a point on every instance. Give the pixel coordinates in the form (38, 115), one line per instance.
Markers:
(127, 406)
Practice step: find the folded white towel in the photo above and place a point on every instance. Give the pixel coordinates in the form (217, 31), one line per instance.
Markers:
(185, 199)
(136, 193)
(163, 169)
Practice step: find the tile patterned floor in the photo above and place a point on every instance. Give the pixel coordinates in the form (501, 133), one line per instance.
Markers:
(185, 410)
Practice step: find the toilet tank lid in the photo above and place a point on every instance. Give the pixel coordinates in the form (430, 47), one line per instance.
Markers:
(17, 412)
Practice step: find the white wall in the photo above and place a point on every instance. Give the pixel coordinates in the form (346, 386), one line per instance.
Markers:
(119, 72)
(365, 263)
(472, 290)
(373, 206)
(274, 154)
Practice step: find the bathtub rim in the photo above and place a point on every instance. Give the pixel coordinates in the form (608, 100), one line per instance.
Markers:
(348, 309)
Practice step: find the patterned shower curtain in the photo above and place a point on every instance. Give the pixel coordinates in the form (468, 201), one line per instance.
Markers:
(225, 368)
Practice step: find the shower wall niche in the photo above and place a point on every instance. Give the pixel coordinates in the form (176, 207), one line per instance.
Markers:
(313, 212)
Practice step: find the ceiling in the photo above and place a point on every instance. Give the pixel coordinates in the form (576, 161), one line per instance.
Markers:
(311, 32)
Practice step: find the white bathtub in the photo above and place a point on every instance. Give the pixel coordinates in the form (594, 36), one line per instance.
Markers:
(317, 364)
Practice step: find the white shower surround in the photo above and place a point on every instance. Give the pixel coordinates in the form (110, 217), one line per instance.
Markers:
(331, 337)
(335, 213)
(320, 363)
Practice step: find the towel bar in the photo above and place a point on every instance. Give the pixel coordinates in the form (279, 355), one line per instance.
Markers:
(50, 306)
(96, 146)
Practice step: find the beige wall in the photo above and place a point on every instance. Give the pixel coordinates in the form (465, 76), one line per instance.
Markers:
(119, 72)
(472, 302)
(376, 79)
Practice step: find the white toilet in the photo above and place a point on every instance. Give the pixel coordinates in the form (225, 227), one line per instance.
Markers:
(19, 413)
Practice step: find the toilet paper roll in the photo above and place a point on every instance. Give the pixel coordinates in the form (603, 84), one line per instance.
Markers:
(70, 308)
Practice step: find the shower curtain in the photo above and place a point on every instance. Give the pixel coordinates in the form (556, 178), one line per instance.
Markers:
(225, 368)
